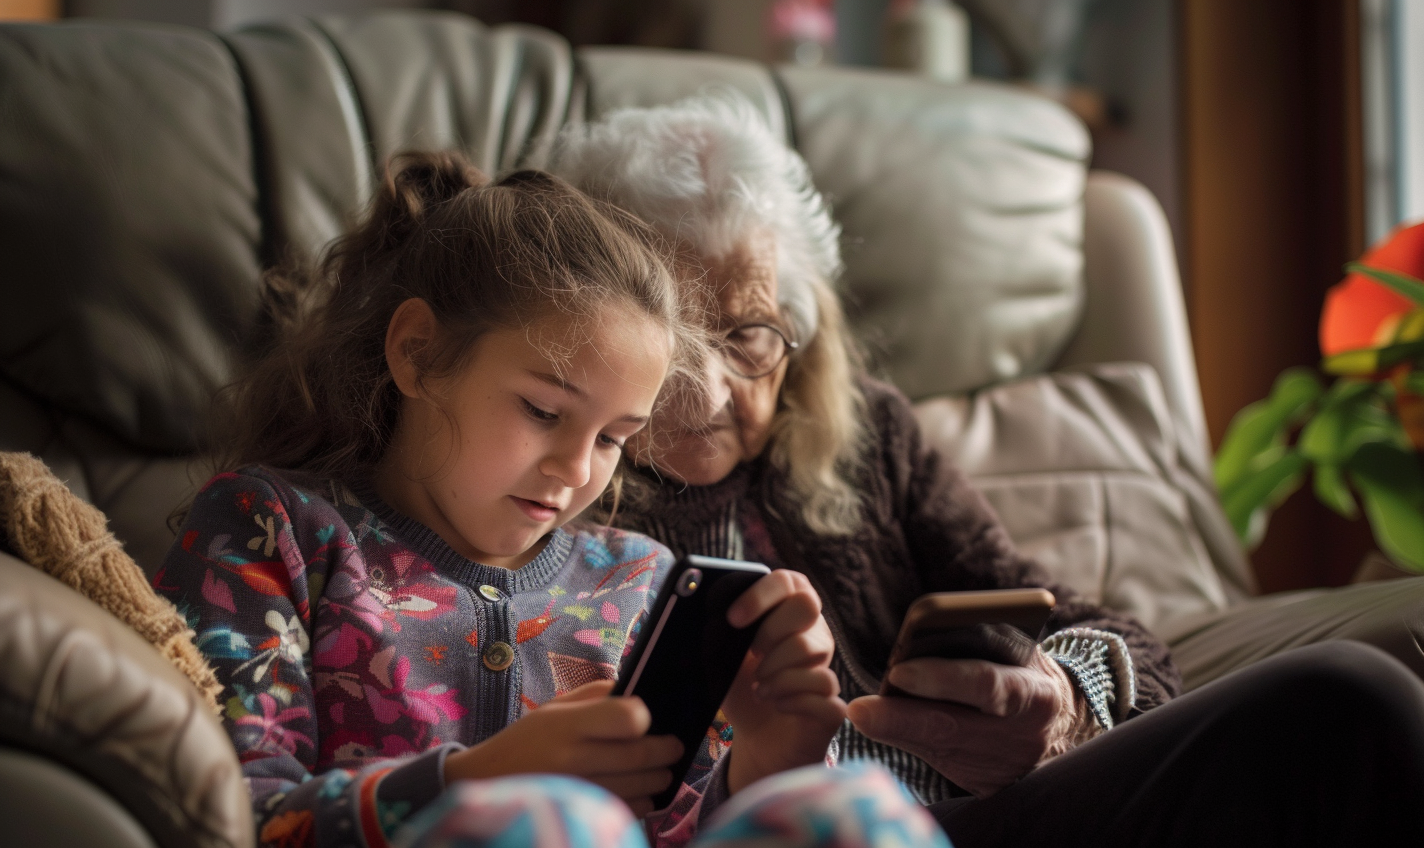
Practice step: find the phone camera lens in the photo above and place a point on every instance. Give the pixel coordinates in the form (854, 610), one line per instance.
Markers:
(689, 581)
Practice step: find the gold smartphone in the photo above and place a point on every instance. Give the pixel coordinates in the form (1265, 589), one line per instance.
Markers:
(998, 625)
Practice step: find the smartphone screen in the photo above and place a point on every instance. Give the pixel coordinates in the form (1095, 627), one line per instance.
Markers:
(687, 655)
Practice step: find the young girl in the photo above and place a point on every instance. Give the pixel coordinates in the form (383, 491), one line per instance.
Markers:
(383, 580)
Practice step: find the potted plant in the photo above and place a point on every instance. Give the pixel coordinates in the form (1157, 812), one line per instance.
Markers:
(1359, 437)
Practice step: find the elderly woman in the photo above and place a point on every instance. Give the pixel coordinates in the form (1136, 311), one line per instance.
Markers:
(805, 462)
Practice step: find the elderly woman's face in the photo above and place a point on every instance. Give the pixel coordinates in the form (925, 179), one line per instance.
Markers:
(744, 293)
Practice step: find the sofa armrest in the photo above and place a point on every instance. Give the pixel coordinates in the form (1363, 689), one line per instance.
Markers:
(1134, 311)
(1388, 614)
(81, 689)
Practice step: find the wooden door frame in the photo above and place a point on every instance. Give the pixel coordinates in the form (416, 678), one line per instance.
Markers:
(1273, 203)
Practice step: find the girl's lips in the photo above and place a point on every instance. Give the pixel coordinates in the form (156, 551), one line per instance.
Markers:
(535, 509)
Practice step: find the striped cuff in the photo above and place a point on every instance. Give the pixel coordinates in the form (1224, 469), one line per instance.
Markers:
(1101, 667)
(387, 797)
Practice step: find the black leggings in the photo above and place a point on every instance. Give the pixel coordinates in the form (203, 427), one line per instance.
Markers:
(1322, 745)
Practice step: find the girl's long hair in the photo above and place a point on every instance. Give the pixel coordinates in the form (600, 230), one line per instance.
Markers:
(484, 255)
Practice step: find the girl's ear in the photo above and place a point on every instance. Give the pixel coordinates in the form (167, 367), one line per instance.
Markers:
(412, 328)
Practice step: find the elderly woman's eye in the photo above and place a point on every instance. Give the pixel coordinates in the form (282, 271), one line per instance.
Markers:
(755, 345)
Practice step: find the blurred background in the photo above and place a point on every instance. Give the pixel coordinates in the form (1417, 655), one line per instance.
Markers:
(1281, 137)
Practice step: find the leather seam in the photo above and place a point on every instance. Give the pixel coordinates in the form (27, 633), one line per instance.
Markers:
(353, 93)
(262, 176)
(790, 118)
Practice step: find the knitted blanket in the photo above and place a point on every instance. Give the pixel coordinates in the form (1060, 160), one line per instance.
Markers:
(48, 526)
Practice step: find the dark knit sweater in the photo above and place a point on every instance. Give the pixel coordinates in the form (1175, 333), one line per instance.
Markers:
(925, 529)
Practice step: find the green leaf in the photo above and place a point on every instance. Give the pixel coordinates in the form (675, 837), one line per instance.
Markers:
(1331, 490)
(1260, 428)
(1293, 393)
(1410, 327)
(1352, 363)
(1372, 360)
(1323, 437)
(1402, 283)
(1339, 429)
(1260, 490)
(1393, 354)
(1414, 382)
(1255, 430)
(1349, 390)
(1391, 484)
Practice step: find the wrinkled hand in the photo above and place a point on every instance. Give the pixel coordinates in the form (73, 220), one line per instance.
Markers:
(983, 725)
(585, 734)
(784, 705)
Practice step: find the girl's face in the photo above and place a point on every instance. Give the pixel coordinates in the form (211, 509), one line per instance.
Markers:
(497, 456)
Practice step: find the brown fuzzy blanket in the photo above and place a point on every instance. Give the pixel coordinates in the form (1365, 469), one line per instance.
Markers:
(61, 535)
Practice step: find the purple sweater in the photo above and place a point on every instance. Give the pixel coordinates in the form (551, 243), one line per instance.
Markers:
(357, 649)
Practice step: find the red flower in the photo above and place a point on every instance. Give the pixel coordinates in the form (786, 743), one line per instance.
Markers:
(1359, 311)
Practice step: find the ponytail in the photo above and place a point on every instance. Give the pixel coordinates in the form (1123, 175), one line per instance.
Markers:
(414, 184)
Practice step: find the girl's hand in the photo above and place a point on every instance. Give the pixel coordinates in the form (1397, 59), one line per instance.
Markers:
(784, 705)
(981, 724)
(582, 733)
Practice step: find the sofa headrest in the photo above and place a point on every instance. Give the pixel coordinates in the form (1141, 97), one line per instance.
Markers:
(129, 225)
(962, 209)
(148, 174)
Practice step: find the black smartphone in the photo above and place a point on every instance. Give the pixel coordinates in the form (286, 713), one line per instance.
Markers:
(998, 625)
(687, 655)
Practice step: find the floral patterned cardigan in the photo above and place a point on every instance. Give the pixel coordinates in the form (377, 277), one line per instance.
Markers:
(357, 649)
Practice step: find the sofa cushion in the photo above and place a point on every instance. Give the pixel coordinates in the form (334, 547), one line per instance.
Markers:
(333, 97)
(619, 77)
(1083, 469)
(962, 209)
(83, 688)
(435, 81)
(1388, 614)
(44, 804)
(128, 223)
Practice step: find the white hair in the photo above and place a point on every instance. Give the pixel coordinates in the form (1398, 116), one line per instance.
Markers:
(708, 173)
(710, 176)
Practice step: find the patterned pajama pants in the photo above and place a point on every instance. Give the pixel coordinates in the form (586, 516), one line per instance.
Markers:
(857, 806)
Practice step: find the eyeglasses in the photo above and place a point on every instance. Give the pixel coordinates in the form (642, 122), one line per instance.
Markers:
(755, 350)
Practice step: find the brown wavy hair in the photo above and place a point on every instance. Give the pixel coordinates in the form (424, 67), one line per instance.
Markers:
(484, 255)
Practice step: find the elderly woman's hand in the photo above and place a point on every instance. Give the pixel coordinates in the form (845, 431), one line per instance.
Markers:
(785, 703)
(983, 725)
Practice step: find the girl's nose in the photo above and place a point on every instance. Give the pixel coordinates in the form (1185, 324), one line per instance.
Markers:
(571, 463)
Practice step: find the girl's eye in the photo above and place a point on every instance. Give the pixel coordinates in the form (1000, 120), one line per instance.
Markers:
(539, 414)
(609, 441)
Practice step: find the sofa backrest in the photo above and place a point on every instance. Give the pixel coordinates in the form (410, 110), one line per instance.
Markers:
(148, 174)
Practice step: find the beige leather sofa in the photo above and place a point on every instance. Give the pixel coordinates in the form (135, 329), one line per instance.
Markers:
(148, 174)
